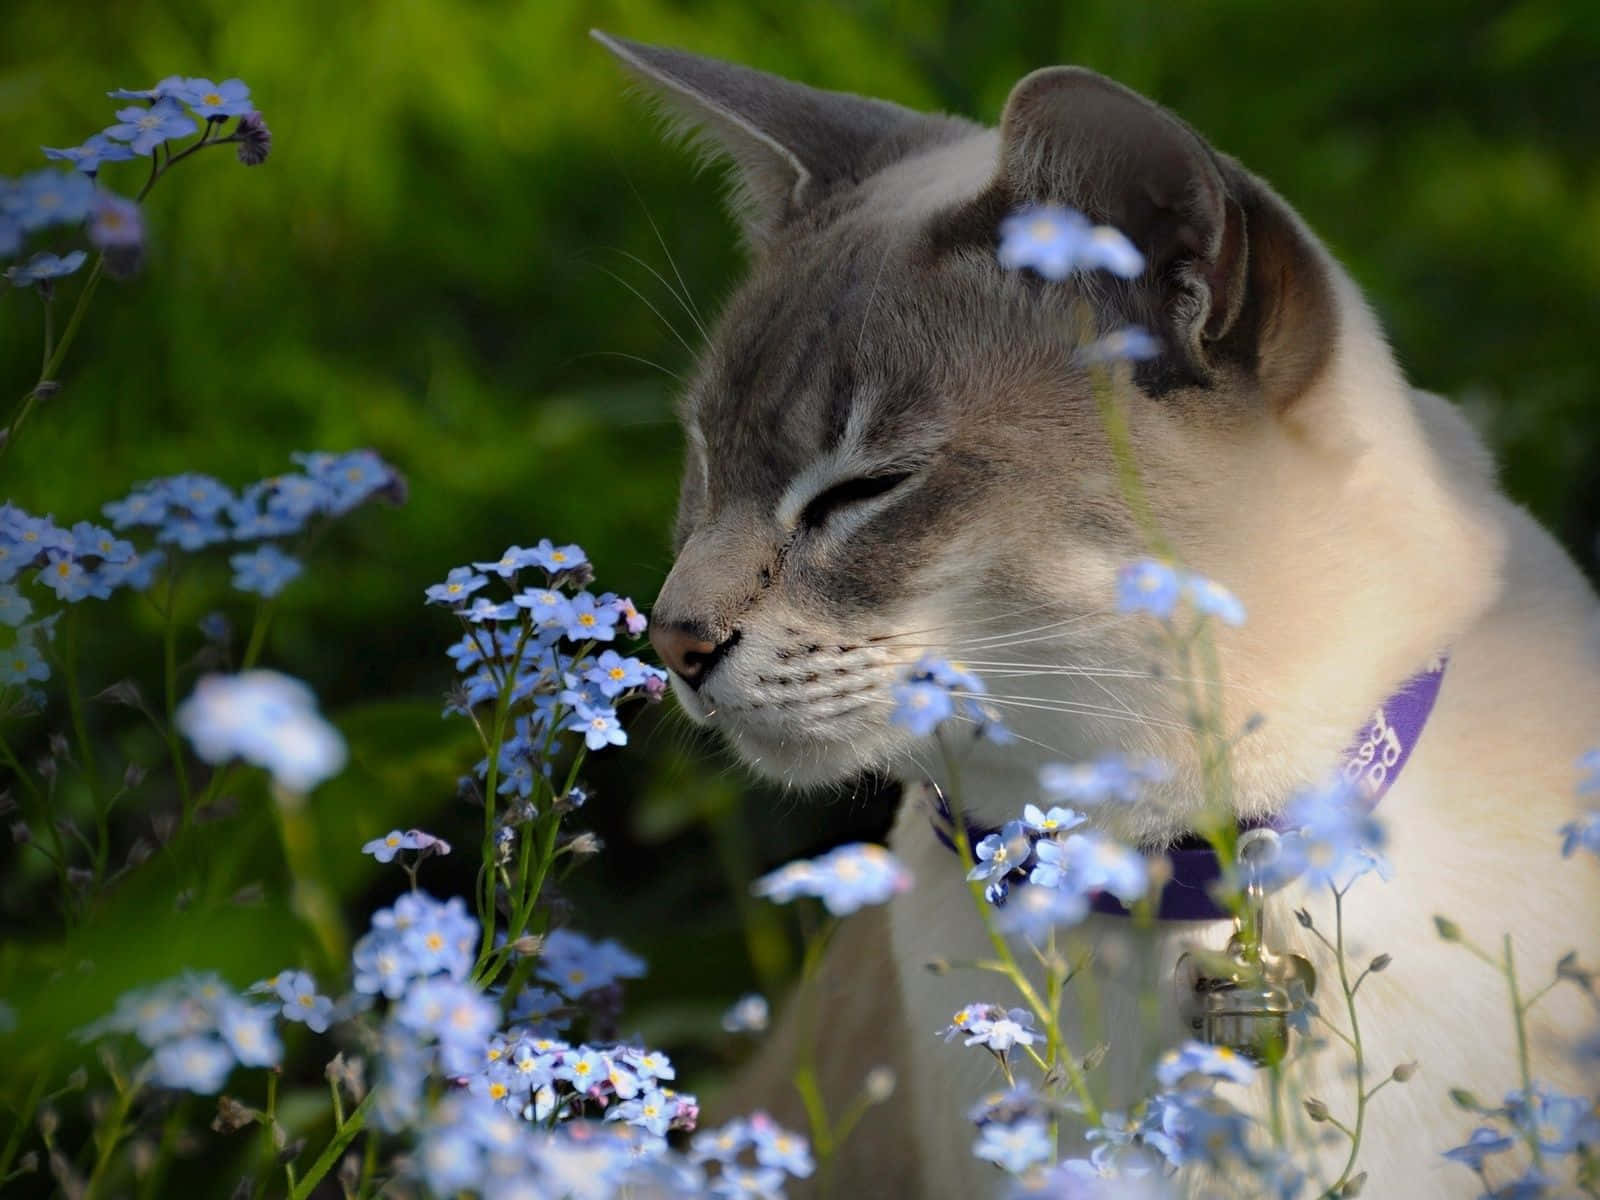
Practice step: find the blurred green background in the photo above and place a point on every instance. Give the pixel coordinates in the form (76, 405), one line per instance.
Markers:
(451, 256)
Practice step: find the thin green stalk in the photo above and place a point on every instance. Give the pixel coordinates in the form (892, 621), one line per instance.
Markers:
(24, 1120)
(169, 681)
(1055, 1040)
(1355, 1043)
(343, 1135)
(1519, 1013)
(109, 1135)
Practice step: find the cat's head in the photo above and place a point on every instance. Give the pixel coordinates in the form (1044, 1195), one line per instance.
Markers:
(891, 449)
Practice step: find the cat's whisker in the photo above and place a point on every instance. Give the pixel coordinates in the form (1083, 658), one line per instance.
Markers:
(1077, 707)
(645, 300)
(631, 358)
(688, 309)
(990, 619)
(667, 250)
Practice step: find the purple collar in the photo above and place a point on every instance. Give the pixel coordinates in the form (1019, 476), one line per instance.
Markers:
(1371, 765)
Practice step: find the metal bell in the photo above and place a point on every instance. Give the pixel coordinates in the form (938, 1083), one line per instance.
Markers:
(1247, 1003)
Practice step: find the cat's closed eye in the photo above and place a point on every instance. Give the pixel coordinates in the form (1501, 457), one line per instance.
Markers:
(849, 492)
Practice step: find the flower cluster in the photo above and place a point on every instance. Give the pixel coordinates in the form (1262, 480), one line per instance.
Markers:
(75, 198)
(752, 1155)
(844, 879)
(934, 691)
(536, 648)
(1065, 868)
(185, 513)
(198, 1029)
(1556, 1124)
(1151, 586)
(267, 719)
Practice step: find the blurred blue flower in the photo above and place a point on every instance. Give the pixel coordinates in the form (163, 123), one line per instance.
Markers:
(921, 707)
(90, 156)
(144, 506)
(191, 533)
(90, 540)
(1092, 862)
(1483, 1142)
(1047, 238)
(1213, 599)
(267, 719)
(116, 224)
(1129, 344)
(749, 1014)
(146, 128)
(1015, 1147)
(1108, 249)
(49, 197)
(69, 579)
(10, 231)
(614, 674)
(137, 571)
(1199, 1058)
(265, 571)
(1032, 912)
(844, 879)
(1147, 585)
(1558, 1122)
(1331, 839)
(215, 101)
(44, 266)
(249, 1034)
(22, 663)
(193, 1064)
(1582, 833)
(777, 1147)
(14, 607)
(201, 495)
(167, 87)
(577, 964)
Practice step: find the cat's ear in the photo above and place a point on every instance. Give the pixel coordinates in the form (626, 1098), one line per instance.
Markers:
(1231, 276)
(789, 144)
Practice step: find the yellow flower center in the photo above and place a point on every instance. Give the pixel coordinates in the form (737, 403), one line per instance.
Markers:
(616, 673)
(211, 98)
(586, 619)
(557, 556)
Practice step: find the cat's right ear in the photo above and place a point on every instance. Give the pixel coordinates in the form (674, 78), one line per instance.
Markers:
(790, 145)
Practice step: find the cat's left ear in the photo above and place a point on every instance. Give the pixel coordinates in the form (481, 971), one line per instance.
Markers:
(789, 144)
(1233, 283)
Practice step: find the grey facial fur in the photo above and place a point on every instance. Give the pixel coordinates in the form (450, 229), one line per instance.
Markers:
(888, 437)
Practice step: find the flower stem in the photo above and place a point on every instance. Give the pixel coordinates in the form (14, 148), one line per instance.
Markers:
(1355, 1044)
(343, 1134)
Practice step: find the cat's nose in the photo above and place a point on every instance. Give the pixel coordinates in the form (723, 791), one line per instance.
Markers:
(688, 654)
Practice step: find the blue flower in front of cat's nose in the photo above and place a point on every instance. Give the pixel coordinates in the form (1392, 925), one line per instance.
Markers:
(1056, 241)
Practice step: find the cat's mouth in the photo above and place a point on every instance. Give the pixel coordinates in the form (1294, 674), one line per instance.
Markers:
(800, 728)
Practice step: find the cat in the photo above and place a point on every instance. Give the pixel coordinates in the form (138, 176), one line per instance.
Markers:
(891, 452)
